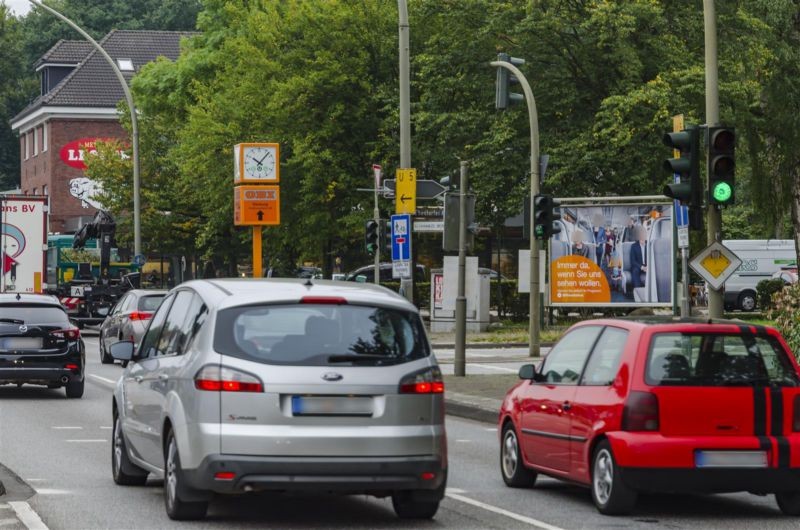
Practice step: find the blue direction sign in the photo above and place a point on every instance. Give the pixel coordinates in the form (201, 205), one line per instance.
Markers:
(681, 212)
(401, 237)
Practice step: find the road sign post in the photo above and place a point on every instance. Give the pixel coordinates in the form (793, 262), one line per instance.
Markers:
(376, 215)
(682, 224)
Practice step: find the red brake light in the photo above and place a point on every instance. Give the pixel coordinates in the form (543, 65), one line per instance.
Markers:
(223, 379)
(225, 475)
(640, 412)
(68, 334)
(71, 366)
(796, 414)
(335, 300)
(427, 382)
(140, 315)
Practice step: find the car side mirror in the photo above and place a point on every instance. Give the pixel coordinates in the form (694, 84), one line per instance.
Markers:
(527, 371)
(361, 278)
(122, 350)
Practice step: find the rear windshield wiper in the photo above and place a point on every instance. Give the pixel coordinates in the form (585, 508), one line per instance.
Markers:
(11, 321)
(354, 358)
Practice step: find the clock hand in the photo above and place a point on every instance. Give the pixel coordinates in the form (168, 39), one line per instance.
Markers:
(263, 157)
(254, 160)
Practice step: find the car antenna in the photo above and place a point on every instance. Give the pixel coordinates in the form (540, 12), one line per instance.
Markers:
(308, 283)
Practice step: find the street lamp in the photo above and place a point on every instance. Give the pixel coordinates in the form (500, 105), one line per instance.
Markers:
(137, 231)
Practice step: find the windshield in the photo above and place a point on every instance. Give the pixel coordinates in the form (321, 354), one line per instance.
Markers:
(320, 335)
(683, 359)
(33, 314)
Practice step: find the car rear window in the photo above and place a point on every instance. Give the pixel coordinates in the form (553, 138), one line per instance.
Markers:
(695, 359)
(150, 302)
(33, 314)
(320, 335)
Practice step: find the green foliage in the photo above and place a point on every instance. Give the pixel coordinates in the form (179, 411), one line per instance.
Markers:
(765, 291)
(786, 314)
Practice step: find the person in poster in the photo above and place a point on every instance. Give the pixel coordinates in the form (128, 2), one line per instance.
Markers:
(638, 257)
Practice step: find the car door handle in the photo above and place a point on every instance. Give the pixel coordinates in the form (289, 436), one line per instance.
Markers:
(138, 378)
(163, 377)
(566, 406)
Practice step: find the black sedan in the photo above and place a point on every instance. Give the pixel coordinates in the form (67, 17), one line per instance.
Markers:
(39, 345)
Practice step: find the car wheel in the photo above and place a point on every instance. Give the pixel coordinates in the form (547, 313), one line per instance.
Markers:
(747, 301)
(407, 507)
(177, 508)
(105, 358)
(789, 502)
(75, 389)
(610, 495)
(125, 472)
(514, 472)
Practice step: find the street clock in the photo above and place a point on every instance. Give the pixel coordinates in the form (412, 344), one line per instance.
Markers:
(256, 163)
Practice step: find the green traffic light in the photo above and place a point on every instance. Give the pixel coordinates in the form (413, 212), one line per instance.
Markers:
(722, 192)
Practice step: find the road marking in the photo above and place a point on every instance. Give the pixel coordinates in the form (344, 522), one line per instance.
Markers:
(455, 490)
(494, 509)
(107, 427)
(29, 518)
(490, 367)
(103, 379)
(66, 427)
(35, 480)
(491, 429)
(463, 441)
(91, 441)
(51, 491)
(9, 522)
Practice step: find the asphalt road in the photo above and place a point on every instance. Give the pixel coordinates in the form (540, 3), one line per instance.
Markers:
(61, 449)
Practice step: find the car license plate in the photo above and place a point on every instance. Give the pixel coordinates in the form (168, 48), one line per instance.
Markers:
(331, 406)
(21, 343)
(757, 459)
(76, 290)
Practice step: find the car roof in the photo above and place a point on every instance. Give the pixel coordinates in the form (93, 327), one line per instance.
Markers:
(148, 292)
(230, 292)
(26, 298)
(668, 321)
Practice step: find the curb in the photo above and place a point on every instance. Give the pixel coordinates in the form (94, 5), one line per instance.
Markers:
(470, 412)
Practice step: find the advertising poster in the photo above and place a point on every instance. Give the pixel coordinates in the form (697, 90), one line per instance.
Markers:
(613, 255)
(24, 244)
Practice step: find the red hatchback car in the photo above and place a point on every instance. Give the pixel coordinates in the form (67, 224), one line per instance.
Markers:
(658, 405)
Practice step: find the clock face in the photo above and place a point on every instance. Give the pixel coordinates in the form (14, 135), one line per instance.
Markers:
(259, 163)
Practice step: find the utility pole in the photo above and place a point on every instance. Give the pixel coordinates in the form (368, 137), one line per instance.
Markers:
(137, 226)
(459, 367)
(376, 215)
(533, 307)
(405, 121)
(713, 214)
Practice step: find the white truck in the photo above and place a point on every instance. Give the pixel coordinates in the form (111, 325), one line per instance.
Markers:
(761, 260)
(23, 252)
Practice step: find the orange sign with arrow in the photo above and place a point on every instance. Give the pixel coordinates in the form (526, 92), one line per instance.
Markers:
(256, 205)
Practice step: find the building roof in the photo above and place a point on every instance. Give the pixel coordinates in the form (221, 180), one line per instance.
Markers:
(66, 52)
(93, 83)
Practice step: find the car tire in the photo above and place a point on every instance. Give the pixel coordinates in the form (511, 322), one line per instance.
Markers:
(788, 502)
(74, 389)
(124, 472)
(512, 468)
(105, 358)
(747, 301)
(177, 508)
(610, 494)
(407, 507)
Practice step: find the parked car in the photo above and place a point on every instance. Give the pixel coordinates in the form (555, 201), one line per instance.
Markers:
(39, 345)
(128, 319)
(658, 405)
(493, 274)
(247, 385)
(366, 273)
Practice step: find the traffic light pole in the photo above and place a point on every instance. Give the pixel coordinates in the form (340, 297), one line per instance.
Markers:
(376, 214)
(459, 368)
(533, 306)
(713, 214)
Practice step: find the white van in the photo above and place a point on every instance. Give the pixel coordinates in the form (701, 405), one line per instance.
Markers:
(761, 258)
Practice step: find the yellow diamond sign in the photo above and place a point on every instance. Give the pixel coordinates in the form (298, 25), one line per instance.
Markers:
(715, 264)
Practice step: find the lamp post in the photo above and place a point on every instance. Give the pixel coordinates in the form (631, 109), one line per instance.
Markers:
(137, 232)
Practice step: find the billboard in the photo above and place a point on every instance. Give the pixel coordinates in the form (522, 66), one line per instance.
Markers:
(23, 223)
(613, 255)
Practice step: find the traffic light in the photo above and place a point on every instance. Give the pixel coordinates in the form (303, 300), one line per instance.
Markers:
(371, 236)
(721, 165)
(386, 238)
(545, 216)
(504, 98)
(687, 166)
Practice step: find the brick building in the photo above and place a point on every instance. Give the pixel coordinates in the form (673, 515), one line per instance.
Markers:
(76, 106)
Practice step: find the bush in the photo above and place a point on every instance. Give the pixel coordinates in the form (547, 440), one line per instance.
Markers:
(785, 312)
(765, 289)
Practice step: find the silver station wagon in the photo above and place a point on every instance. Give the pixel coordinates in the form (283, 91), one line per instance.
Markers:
(246, 385)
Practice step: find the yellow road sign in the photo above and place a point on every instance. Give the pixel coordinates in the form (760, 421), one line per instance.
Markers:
(405, 193)
(677, 126)
(715, 263)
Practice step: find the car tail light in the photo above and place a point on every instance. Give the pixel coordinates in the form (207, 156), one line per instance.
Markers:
(71, 366)
(67, 334)
(223, 379)
(140, 315)
(426, 382)
(225, 475)
(334, 300)
(641, 412)
(796, 414)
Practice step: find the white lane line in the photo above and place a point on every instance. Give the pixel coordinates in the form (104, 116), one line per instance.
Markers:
(112, 382)
(494, 509)
(463, 441)
(51, 491)
(455, 490)
(35, 480)
(29, 518)
(106, 427)
(9, 522)
(490, 429)
(90, 441)
(66, 427)
(498, 368)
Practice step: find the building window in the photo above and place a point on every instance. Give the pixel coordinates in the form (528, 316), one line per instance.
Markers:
(36, 141)
(44, 138)
(34, 191)
(126, 65)
(44, 189)
(25, 145)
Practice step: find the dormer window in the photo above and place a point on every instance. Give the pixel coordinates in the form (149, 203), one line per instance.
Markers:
(126, 65)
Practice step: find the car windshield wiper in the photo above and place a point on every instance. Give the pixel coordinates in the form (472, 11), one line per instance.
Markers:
(12, 321)
(354, 358)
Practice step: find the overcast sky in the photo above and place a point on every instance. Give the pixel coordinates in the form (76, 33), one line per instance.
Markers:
(19, 7)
